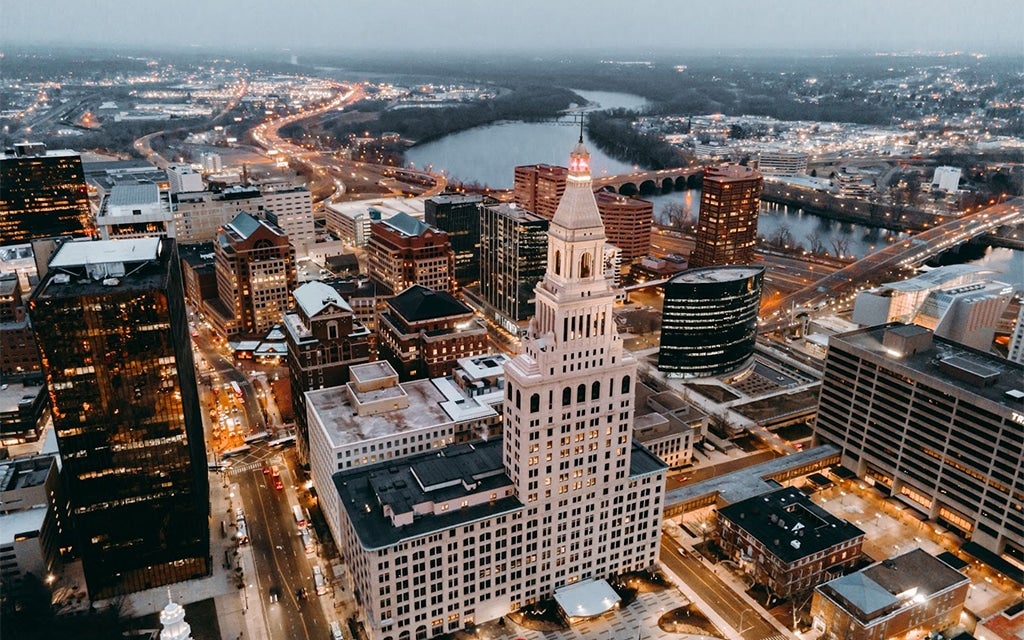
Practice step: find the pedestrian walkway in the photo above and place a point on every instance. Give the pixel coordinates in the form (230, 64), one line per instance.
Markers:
(235, 469)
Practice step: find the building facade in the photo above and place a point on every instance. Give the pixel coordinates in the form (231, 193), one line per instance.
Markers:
(627, 224)
(18, 355)
(786, 542)
(324, 340)
(782, 163)
(42, 194)
(933, 423)
(730, 199)
(135, 211)
(709, 320)
(900, 598)
(113, 336)
(255, 267)
(423, 332)
(404, 251)
(563, 497)
(539, 188)
(513, 259)
(33, 519)
(183, 178)
(458, 215)
(198, 216)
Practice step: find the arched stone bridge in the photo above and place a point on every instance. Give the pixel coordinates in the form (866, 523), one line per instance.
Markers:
(652, 182)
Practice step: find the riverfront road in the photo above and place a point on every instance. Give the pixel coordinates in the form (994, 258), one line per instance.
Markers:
(714, 592)
(775, 311)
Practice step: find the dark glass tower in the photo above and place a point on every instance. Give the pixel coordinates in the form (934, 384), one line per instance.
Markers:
(113, 338)
(459, 216)
(709, 321)
(513, 259)
(42, 194)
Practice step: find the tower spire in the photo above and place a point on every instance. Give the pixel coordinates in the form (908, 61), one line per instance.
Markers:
(582, 116)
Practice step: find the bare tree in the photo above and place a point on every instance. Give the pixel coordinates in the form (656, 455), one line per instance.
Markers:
(815, 243)
(676, 215)
(840, 246)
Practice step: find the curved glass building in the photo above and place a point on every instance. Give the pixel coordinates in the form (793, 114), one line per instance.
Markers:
(709, 321)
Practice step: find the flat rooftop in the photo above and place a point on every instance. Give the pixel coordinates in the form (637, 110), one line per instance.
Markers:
(24, 473)
(15, 394)
(18, 522)
(716, 274)
(81, 253)
(789, 524)
(344, 428)
(400, 484)
(1008, 376)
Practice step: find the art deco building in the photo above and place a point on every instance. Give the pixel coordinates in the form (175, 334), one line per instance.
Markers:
(730, 199)
(709, 320)
(423, 333)
(564, 497)
(933, 423)
(458, 215)
(113, 336)
(42, 194)
(255, 267)
(513, 259)
(324, 340)
(404, 251)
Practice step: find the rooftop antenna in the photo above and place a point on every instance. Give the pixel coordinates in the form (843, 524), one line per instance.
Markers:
(582, 117)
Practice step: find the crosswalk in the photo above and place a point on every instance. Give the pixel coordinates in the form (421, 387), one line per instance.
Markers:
(235, 469)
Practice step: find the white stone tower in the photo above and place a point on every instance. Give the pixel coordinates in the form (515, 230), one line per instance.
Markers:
(172, 617)
(569, 415)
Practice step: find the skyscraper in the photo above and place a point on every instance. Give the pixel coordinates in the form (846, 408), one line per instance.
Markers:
(42, 194)
(458, 215)
(539, 188)
(513, 258)
(564, 497)
(727, 228)
(113, 337)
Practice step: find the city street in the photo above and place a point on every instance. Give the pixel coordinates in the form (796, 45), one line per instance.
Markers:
(713, 592)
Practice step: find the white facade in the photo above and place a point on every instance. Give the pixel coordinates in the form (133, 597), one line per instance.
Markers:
(183, 178)
(135, 211)
(782, 163)
(212, 162)
(198, 215)
(946, 179)
(1017, 339)
(351, 221)
(293, 209)
(442, 540)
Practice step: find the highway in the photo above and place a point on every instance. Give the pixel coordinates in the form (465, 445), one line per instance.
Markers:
(841, 285)
(715, 594)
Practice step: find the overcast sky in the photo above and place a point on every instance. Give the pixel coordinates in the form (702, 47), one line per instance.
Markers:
(492, 26)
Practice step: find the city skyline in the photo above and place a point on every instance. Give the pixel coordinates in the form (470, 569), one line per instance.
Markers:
(317, 26)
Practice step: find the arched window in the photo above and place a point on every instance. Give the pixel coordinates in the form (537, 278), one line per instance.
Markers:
(581, 393)
(535, 403)
(558, 263)
(585, 266)
(519, 399)
(595, 390)
(508, 391)
(566, 396)
(625, 384)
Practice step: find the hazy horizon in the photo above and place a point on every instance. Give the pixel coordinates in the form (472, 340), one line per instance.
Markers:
(528, 27)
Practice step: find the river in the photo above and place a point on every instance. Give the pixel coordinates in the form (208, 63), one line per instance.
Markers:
(489, 153)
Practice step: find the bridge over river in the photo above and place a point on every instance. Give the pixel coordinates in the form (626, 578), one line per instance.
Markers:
(652, 182)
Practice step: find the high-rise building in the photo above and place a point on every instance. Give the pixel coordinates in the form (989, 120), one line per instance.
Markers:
(42, 194)
(539, 188)
(324, 340)
(946, 179)
(135, 211)
(198, 216)
(563, 498)
(933, 423)
(1016, 352)
(404, 251)
(183, 178)
(113, 337)
(255, 267)
(709, 320)
(458, 215)
(727, 227)
(627, 224)
(513, 259)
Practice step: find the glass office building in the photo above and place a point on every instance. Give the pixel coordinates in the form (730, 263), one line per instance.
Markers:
(709, 320)
(113, 338)
(42, 194)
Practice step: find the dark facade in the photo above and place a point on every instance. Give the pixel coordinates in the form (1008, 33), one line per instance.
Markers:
(324, 340)
(118, 363)
(458, 215)
(709, 320)
(423, 333)
(18, 356)
(42, 194)
(730, 199)
(23, 411)
(513, 259)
